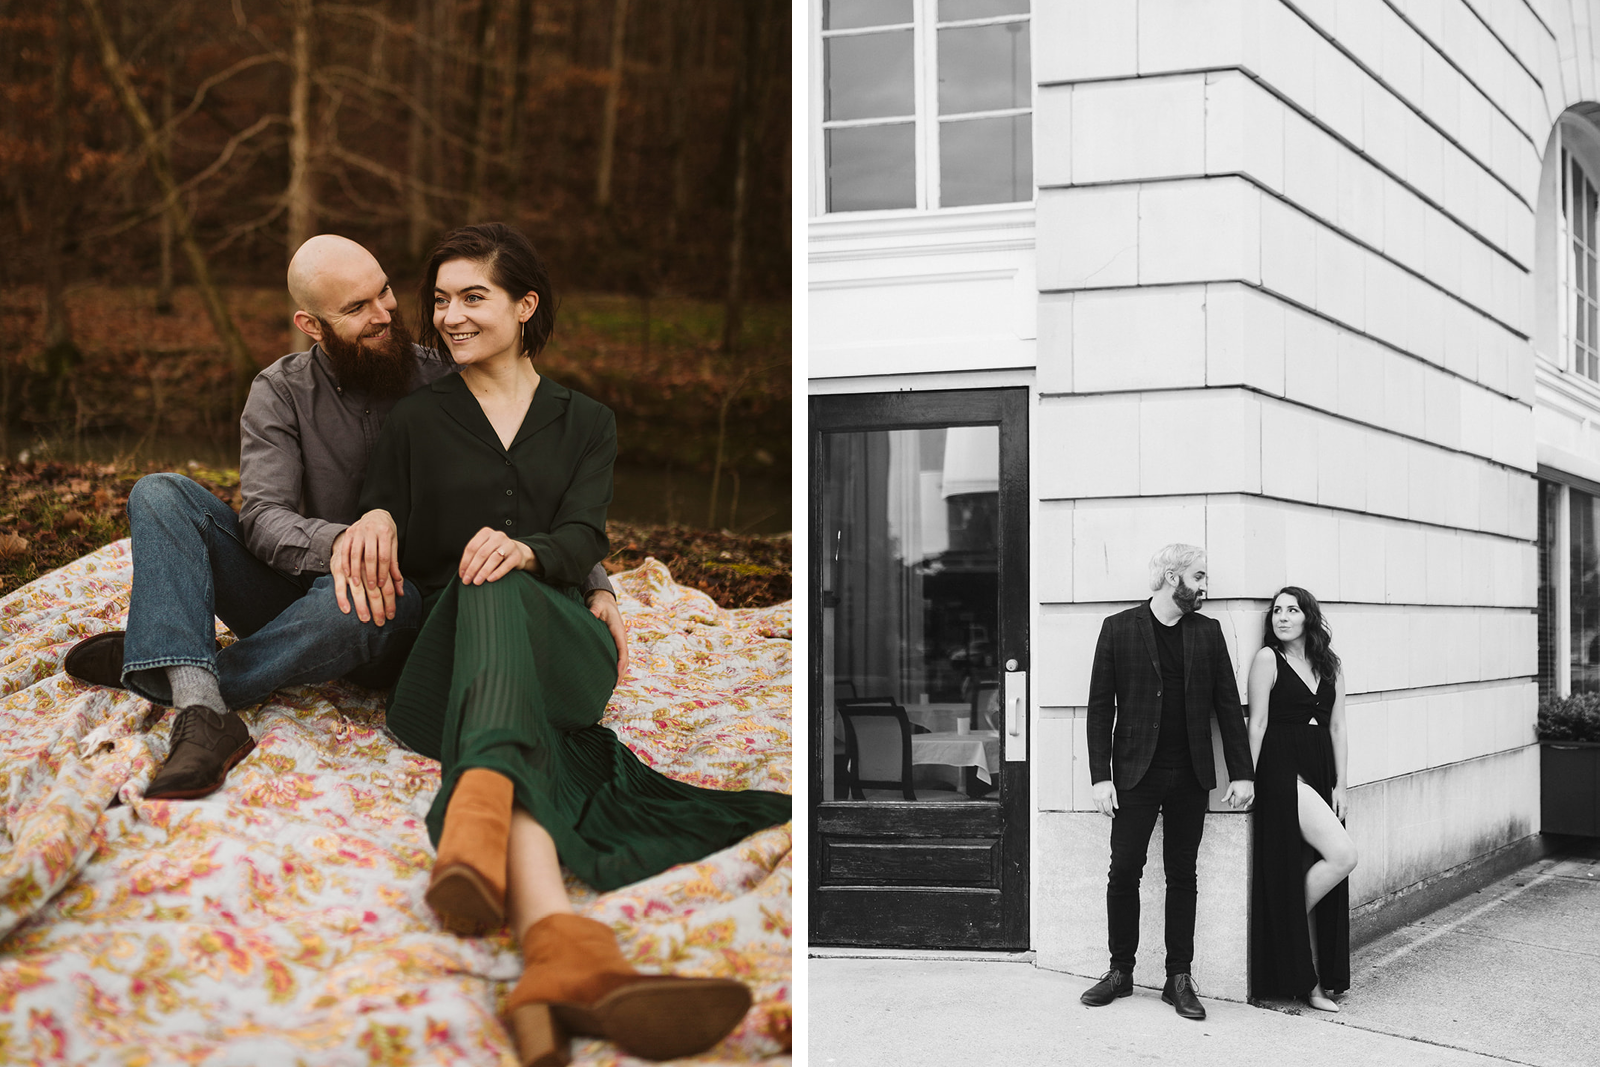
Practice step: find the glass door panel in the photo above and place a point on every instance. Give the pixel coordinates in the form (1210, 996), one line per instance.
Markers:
(919, 709)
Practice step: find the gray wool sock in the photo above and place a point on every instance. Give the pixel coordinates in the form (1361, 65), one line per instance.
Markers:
(196, 687)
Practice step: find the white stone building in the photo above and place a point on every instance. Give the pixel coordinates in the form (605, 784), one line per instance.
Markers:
(1311, 285)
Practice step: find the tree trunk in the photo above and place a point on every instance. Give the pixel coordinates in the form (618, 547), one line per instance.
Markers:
(300, 194)
(164, 270)
(60, 352)
(419, 151)
(745, 114)
(232, 343)
(608, 118)
(516, 107)
(682, 32)
(477, 159)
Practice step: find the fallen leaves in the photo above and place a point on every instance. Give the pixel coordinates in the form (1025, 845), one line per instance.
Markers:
(40, 530)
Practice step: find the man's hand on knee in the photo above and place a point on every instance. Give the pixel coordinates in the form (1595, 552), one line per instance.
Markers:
(1105, 797)
(603, 606)
(365, 567)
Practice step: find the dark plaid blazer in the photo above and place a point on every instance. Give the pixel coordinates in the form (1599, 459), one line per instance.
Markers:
(1125, 700)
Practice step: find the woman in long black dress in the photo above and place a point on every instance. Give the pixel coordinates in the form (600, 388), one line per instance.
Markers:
(1300, 915)
(497, 480)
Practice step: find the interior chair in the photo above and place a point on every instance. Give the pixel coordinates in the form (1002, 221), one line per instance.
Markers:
(986, 705)
(877, 739)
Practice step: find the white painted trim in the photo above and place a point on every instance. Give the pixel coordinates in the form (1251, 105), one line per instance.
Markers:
(940, 380)
(933, 277)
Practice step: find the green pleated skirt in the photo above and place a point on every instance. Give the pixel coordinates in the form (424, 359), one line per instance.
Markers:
(513, 676)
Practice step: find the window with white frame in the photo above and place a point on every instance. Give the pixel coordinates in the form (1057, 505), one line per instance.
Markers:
(1580, 289)
(925, 104)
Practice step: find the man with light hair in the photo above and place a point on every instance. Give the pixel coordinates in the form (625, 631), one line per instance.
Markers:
(311, 587)
(1161, 674)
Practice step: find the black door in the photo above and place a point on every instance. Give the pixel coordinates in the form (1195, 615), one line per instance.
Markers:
(919, 661)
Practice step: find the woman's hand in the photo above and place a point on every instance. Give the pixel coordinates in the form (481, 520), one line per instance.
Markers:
(1341, 807)
(491, 555)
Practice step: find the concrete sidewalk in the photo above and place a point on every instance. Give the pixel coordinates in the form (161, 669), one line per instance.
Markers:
(1510, 974)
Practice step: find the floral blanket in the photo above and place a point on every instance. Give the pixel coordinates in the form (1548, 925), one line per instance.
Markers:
(281, 919)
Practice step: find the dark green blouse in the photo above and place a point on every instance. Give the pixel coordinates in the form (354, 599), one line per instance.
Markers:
(439, 468)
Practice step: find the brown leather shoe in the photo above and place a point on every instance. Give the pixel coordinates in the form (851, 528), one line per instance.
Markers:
(467, 889)
(576, 981)
(204, 749)
(97, 660)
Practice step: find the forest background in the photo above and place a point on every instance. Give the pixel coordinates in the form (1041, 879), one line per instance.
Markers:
(161, 161)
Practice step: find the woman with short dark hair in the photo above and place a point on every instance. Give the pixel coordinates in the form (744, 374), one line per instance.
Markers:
(498, 480)
(1300, 918)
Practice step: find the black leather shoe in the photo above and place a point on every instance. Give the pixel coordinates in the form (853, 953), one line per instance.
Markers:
(97, 660)
(1181, 992)
(204, 750)
(1112, 984)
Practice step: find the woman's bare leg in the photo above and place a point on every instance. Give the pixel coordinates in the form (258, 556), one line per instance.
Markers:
(533, 875)
(1324, 832)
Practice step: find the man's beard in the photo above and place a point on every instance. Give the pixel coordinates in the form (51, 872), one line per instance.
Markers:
(1186, 596)
(378, 366)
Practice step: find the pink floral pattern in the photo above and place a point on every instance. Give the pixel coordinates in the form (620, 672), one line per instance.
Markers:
(281, 919)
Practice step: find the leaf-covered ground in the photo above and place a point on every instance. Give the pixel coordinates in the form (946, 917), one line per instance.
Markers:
(53, 513)
(139, 375)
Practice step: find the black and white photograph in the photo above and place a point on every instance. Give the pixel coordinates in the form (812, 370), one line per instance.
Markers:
(1203, 418)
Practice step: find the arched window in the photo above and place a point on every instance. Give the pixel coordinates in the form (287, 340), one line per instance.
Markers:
(1567, 275)
(924, 103)
(1566, 338)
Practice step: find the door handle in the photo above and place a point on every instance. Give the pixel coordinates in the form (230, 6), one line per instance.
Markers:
(1016, 698)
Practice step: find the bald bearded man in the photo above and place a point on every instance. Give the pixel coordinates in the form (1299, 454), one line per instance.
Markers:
(311, 587)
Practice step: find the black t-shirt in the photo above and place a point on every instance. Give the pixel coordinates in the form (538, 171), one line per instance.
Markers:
(1172, 743)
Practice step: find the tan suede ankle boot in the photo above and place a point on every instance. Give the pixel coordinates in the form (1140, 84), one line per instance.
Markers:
(468, 887)
(576, 981)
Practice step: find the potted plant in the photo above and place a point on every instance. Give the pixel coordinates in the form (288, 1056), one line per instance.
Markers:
(1569, 764)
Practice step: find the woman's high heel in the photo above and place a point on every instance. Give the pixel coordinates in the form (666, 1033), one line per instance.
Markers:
(468, 887)
(540, 1038)
(576, 981)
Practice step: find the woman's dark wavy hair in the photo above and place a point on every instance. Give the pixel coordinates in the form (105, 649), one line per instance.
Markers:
(1319, 635)
(511, 262)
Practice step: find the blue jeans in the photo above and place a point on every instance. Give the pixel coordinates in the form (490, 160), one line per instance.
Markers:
(190, 564)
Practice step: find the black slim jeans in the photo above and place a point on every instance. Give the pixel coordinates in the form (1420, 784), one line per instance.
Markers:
(1181, 801)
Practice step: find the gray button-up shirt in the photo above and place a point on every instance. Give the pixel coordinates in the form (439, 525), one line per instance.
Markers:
(304, 443)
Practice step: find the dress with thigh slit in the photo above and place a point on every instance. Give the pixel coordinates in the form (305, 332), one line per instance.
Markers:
(514, 675)
(1297, 743)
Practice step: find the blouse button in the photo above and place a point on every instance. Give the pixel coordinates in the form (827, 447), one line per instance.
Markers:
(508, 492)
(508, 522)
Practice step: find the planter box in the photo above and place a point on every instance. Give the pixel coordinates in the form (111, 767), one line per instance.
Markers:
(1569, 787)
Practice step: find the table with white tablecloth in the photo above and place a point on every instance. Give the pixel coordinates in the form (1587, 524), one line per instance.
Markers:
(979, 749)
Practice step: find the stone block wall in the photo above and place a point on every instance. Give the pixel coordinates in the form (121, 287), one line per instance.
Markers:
(1285, 261)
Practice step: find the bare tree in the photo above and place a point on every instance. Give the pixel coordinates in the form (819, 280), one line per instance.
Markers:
(608, 117)
(420, 146)
(749, 96)
(60, 352)
(516, 103)
(300, 193)
(164, 244)
(160, 167)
